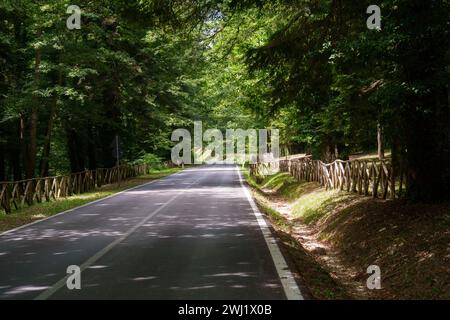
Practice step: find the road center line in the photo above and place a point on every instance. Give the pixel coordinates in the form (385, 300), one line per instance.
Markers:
(290, 287)
(61, 283)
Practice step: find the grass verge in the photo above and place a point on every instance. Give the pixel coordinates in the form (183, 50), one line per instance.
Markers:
(46, 209)
(344, 234)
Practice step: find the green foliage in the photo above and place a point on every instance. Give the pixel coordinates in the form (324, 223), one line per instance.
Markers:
(152, 160)
(140, 69)
(337, 82)
(120, 74)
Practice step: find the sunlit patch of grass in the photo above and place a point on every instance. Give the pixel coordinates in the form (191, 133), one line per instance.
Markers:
(282, 184)
(286, 186)
(250, 179)
(293, 191)
(310, 201)
(46, 209)
(278, 181)
(316, 204)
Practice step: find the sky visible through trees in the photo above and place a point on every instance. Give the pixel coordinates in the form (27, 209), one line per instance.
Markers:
(141, 69)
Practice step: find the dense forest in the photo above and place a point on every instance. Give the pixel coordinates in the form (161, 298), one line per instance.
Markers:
(138, 70)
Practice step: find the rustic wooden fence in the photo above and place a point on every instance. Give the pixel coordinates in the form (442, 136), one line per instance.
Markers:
(367, 177)
(17, 194)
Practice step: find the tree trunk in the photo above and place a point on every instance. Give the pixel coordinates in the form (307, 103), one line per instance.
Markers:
(15, 151)
(2, 163)
(32, 147)
(328, 154)
(22, 146)
(380, 140)
(91, 150)
(75, 153)
(46, 148)
(336, 152)
(15, 164)
(428, 149)
(396, 158)
(423, 61)
(47, 141)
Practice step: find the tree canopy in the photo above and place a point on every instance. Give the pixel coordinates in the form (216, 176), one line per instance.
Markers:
(140, 69)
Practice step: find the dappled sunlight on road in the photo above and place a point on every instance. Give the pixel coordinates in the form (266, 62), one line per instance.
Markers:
(194, 233)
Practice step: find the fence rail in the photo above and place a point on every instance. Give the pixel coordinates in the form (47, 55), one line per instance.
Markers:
(17, 194)
(366, 177)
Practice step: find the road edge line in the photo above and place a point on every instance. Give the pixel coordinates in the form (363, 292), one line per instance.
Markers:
(291, 289)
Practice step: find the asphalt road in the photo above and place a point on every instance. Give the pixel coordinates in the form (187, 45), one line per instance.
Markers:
(193, 235)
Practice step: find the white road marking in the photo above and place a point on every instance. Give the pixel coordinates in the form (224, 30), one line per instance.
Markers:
(290, 287)
(61, 283)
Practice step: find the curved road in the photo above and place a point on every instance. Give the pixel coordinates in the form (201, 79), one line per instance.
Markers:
(193, 235)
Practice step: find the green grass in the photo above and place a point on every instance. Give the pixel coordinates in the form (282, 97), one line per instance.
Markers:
(312, 206)
(250, 179)
(309, 200)
(46, 209)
